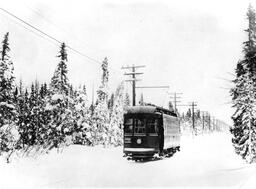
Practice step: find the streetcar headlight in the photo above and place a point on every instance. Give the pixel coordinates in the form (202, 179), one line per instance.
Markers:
(138, 141)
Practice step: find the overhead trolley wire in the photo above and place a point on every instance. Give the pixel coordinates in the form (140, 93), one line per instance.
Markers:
(36, 33)
(37, 12)
(50, 37)
(47, 35)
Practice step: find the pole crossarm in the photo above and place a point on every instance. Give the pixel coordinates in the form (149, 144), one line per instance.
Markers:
(175, 97)
(131, 67)
(133, 73)
(152, 87)
(174, 93)
(133, 80)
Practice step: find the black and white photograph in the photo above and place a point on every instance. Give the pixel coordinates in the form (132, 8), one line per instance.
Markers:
(127, 94)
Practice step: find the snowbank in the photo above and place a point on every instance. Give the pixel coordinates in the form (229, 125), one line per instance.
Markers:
(204, 161)
(250, 183)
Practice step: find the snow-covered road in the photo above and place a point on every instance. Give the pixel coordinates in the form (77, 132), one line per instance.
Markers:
(204, 161)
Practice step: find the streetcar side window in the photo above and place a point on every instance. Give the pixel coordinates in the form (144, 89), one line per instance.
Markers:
(152, 126)
(140, 126)
(128, 125)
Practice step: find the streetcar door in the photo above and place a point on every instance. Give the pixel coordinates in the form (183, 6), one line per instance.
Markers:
(161, 135)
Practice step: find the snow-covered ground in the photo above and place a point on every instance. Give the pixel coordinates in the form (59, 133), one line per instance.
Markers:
(204, 161)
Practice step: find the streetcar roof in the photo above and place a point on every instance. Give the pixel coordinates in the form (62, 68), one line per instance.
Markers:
(148, 110)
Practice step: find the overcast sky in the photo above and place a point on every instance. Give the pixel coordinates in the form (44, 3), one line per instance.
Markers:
(192, 46)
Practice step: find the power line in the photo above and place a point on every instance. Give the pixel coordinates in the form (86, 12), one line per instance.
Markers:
(37, 12)
(28, 24)
(50, 37)
(47, 35)
(30, 30)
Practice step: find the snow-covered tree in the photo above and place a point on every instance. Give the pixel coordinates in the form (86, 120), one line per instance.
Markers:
(104, 90)
(7, 108)
(189, 114)
(23, 118)
(100, 123)
(127, 101)
(8, 113)
(141, 102)
(116, 119)
(59, 82)
(82, 130)
(100, 119)
(111, 102)
(243, 95)
(59, 103)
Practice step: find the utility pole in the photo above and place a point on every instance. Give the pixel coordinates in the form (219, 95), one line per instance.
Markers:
(175, 97)
(133, 73)
(193, 115)
(209, 118)
(213, 123)
(203, 120)
(92, 98)
(192, 105)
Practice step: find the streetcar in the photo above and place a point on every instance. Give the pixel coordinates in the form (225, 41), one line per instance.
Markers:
(150, 131)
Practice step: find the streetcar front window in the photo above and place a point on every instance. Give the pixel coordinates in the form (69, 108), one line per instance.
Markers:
(128, 125)
(152, 125)
(140, 126)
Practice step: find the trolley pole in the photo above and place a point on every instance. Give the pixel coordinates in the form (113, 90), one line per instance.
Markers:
(175, 99)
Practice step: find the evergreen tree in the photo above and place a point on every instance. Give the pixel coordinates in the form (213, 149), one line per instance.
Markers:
(243, 95)
(8, 111)
(141, 102)
(103, 90)
(127, 101)
(24, 118)
(111, 102)
(189, 114)
(7, 108)
(82, 130)
(44, 117)
(35, 111)
(59, 103)
(59, 82)
(100, 122)
(116, 120)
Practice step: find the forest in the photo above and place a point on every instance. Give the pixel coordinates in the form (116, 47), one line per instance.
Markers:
(46, 116)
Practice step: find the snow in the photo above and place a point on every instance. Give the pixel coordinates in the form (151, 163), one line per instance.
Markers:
(49, 107)
(4, 127)
(15, 133)
(56, 97)
(7, 105)
(250, 183)
(204, 161)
